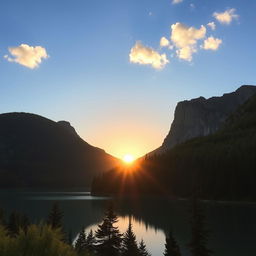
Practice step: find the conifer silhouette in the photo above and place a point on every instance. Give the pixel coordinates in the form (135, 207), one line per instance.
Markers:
(130, 247)
(198, 243)
(171, 246)
(143, 250)
(80, 244)
(55, 217)
(108, 237)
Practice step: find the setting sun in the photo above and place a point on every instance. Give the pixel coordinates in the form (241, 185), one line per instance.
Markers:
(128, 158)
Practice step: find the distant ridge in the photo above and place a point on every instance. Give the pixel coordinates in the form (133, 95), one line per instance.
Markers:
(38, 152)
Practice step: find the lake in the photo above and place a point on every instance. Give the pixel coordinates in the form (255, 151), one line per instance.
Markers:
(232, 226)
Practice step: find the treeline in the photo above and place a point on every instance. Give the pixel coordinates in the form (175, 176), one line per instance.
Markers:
(19, 237)
(219, 166)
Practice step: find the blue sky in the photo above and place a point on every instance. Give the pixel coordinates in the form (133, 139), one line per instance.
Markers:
(88, 78)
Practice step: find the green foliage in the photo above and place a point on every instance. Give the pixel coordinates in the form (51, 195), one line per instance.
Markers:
(16, 222)
(108, 237)
(171, 246)
(130, 247)
(37, 241)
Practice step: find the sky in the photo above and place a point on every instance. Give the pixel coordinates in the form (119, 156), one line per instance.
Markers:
(116, 69)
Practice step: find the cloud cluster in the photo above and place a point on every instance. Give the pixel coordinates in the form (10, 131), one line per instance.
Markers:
(28, 56)
(185, 39)
(226, 17)
(212, 43)
(144, 55)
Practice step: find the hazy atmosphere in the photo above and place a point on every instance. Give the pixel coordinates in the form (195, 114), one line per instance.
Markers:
(116, 69)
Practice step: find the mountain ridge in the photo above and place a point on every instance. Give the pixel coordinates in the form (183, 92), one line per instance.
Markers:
(36, 151)
(200, 116)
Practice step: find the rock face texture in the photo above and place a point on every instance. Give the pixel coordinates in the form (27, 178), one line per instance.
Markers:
(201, 117)
(38, 152)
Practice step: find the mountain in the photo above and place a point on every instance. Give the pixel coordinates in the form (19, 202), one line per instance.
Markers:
(218, 166)
(201, 117)
(38, 152)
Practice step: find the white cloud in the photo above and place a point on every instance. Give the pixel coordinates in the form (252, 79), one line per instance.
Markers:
(226, 17)
(28, 56)
(147, 56)
(164, 42)
(185, 39)
(212, 25)
(212, 43)
(177, 1)
(186, 53)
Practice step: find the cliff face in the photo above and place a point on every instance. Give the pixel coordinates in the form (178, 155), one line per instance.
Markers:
(38, 152)
(201, 117)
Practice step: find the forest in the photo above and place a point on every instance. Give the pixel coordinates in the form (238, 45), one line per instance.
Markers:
(219, 166)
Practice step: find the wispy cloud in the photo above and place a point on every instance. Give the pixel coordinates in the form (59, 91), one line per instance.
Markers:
(177, 1)
(28, 56)
(226, 17)
(185, 39)
(144, 55)
(212, 25)
(212, 43)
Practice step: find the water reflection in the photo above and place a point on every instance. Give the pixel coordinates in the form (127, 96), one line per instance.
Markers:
(153, 237)
(232, 226)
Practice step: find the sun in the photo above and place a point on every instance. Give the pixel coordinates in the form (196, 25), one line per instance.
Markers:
(128, 158)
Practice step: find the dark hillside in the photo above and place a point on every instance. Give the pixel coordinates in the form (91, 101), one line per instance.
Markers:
(38, 152)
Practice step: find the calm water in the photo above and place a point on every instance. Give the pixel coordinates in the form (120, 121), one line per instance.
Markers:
(232, 226)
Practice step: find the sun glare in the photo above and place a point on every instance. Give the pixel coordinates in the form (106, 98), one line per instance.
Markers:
(128, 158)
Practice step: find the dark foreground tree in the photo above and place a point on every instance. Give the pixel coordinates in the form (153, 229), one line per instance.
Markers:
(142, 249)
(55, 216)
(80, 244)
(37, 241)
(198, 244)
(90, 242)
(108, 237)
(2, 218)
(130, 247)
(16, 223)
(171, 246)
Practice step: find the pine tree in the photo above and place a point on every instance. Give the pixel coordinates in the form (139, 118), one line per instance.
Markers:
(90, 242)
(70, 237)
(130, 247)
(2, 218)
(108, 236)
(80, 244)
(142, 249)
(16, 222)
(171, 246)
(198, 244)
(55, 217)
(13, 224)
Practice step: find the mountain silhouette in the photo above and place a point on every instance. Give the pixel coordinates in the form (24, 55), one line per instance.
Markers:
(38, 152)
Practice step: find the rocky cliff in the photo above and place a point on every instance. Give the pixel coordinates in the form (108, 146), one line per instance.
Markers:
(201, 117)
